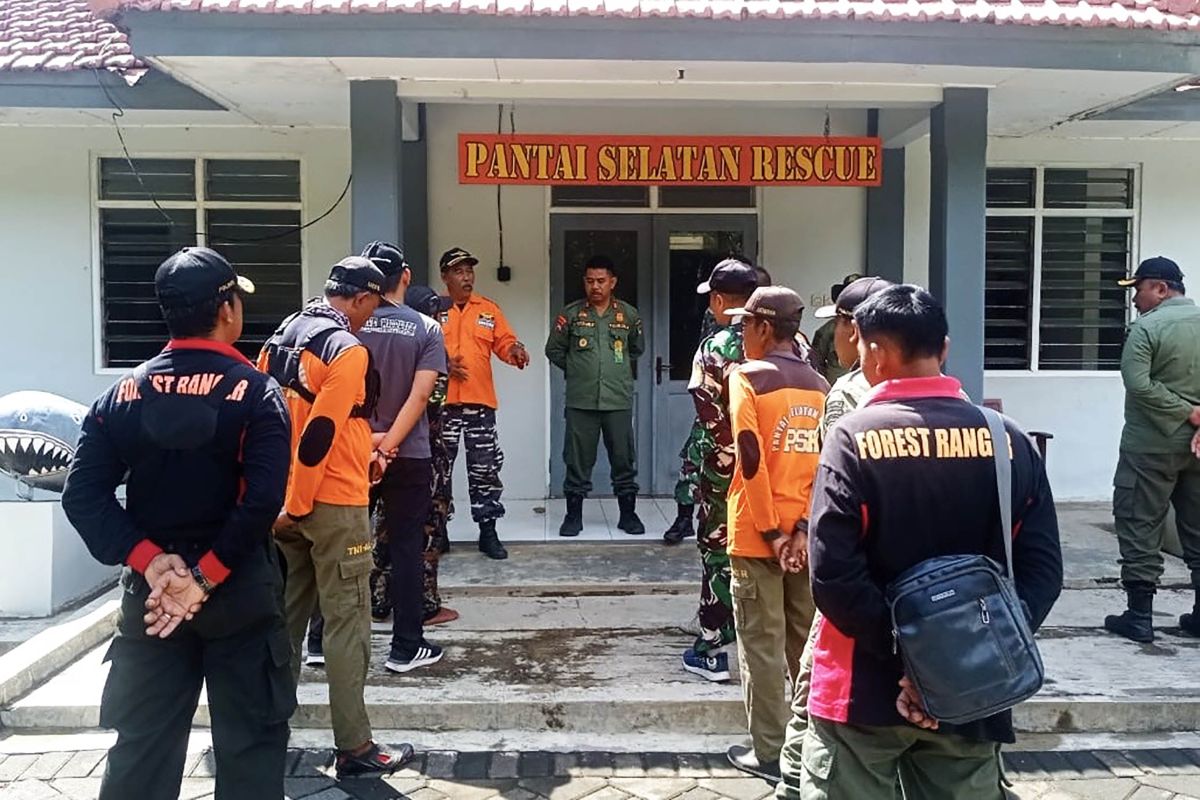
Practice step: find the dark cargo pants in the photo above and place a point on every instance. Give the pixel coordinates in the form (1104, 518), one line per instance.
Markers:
(580, 445)
(1144, 486)
(238, 647)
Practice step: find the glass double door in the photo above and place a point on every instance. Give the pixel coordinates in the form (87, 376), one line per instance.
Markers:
(659, 261)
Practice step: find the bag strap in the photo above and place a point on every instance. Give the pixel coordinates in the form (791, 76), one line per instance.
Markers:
(1003, 479)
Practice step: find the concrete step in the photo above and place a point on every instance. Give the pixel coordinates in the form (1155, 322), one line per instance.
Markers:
(604, 665)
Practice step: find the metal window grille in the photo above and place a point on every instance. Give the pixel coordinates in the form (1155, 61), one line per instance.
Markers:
(1057, 241)
(249, 210)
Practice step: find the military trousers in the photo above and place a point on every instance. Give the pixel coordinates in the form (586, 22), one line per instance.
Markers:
(687, 488)
(328, 555)
(850, 762)
(476, 425)
(773, 611)
(716, 596)
(238, 647)
(580, 444)
(791, 764)
(1144, 486)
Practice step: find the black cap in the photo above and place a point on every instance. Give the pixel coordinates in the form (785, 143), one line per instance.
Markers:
(388, 257)
(426, 300)
(1159, 268)
(455, 256)
(771, 302)
(195, 275)
(360, 273)
(852, 296)
(731, 276)
(837, 288)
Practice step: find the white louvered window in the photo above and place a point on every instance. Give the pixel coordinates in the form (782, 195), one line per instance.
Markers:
(1058, 239)
(248, 210)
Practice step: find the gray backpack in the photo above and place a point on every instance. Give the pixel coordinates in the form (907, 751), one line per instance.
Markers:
(960, 628)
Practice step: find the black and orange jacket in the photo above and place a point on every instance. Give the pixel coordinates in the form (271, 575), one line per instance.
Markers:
(776, 405)
(204, 439)
(331, 433)
(909, 476)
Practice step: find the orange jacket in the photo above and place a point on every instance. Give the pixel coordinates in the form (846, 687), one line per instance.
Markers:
(475, 332)
(776, 405)
(331, 450)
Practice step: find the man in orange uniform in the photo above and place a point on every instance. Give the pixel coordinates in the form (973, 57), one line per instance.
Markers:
(775, 401)
(332, 389)
(475, 329)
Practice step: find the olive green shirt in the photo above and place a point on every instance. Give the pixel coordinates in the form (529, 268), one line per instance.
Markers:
(826, 353)
(1160, 366)
(845, 396)
(596, 353)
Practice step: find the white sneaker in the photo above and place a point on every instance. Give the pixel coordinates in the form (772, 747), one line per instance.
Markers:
(426, 654)
(314, 660)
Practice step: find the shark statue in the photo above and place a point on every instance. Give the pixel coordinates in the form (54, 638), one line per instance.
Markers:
(38, 434)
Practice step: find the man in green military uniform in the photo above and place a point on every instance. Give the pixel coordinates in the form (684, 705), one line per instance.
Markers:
(595, 341)
(825, 354)
(1160, 366)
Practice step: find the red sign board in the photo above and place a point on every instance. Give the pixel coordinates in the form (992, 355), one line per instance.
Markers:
(598, 160)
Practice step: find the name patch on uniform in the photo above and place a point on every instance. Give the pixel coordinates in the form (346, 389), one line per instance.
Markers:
(395, 327)
(487, 321)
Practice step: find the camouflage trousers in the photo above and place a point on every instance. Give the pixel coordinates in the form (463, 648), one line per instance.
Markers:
(435, 536)
(687, 488)
(476, 425)
(716, 594)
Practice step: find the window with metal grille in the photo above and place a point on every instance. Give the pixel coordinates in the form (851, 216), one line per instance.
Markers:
(248, 210)
(1058, 239)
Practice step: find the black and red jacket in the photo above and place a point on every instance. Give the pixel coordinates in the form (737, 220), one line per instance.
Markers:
(201, 439)
(904, 478)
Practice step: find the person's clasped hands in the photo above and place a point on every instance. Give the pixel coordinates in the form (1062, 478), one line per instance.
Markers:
(175, 597)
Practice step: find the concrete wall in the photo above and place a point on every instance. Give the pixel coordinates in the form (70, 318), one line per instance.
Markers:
(1083, 411)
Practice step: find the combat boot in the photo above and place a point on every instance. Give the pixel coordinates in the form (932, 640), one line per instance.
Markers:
(1136, 623)
(629, 521)
(489, 541)
(1190, 623)
(572, 524)
(681, 528)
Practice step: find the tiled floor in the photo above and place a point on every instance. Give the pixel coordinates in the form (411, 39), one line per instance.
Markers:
(538, 520)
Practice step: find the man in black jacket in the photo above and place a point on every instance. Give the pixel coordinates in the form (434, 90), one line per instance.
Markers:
(204, 438)
(906, 477)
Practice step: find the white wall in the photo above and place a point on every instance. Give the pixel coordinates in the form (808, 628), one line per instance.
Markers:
(810, 238)
(1084, 412)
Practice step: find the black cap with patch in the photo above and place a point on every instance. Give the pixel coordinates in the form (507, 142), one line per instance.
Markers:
(388, 257)
(196, 275)
(731, 276)
(426, 301)
(455, 256)
(360, 273)
(1159, 268)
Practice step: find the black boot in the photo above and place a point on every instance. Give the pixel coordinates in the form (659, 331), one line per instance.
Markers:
(489, 542)
(572, 524)
(1137, 621)
(1190, 623)
(681, 528)
(629, 521)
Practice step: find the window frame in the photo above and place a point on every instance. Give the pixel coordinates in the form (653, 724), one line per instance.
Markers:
(200, 204)
(1038, 213)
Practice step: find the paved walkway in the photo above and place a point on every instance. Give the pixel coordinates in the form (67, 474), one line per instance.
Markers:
(1099, 775)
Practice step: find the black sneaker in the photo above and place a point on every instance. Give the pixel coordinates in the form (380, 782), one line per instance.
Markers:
(376, 762)
(744, 759)
(426, 654)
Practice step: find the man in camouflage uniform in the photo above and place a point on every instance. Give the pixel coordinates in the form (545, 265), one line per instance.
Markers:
(687, 488)
(711, 448)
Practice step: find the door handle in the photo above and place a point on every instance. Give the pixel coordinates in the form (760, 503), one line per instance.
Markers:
(659, 367)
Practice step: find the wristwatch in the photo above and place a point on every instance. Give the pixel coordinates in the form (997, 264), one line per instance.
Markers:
(772, 535)
(202, 581)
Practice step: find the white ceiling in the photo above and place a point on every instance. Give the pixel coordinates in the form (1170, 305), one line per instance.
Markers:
(313, 92)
